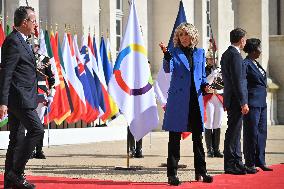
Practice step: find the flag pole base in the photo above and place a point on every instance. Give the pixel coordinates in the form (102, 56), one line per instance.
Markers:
(101, 125)
(131, 168)
(180, 166)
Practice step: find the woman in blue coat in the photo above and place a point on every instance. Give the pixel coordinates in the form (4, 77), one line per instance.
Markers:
(184, 109)
(255, 122)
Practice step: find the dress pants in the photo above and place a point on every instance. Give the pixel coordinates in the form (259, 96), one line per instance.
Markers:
(41, 109)
(195, 127)
(232, 143)
(214, 112)
(254, 136)
(132, 144)
(21, 146)
(174, 153)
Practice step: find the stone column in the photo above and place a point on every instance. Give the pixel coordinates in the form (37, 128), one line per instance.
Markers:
(222, 21)
(11, 5)
(142, 12)
(32, 3)
(254, 18)
(90, 17)
(9, 9)
(162, 22)
(200, 21)
(189, 10)
(108, 23)
(276, 69)
(70, 17)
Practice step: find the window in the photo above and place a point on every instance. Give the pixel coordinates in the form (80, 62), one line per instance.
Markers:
(2, 11)
(1, 8)
(119, 5)
(118, 33)
(119, 16)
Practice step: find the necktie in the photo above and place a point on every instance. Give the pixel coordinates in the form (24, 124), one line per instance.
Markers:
(29, 44)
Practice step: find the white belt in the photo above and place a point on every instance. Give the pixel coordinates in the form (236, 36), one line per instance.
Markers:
(41, 83)
(215, 91)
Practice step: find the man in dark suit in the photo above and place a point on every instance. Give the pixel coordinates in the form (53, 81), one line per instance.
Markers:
(18, 92)
(235, 101)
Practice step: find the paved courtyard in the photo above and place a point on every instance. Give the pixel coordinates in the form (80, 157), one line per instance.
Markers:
(98, 160)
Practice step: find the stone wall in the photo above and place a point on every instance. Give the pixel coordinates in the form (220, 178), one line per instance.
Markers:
(276, 70)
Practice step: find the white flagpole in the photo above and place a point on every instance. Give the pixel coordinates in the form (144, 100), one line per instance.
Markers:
(48, 126)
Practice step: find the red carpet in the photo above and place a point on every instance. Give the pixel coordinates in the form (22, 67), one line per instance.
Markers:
(261, 180)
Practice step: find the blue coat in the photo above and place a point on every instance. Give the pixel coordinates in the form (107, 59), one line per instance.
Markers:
(177, 109)
(256, 84)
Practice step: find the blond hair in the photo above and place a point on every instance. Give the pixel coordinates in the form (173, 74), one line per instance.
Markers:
(191, 30)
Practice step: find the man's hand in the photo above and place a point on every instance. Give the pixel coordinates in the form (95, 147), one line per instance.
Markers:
(245, 109)
(3, 111)
(49, 100)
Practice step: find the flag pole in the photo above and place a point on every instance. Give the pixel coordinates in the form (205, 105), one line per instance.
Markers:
(128, 167)
(48, 134)
(48, 125)
(150, 140)
(127, 146)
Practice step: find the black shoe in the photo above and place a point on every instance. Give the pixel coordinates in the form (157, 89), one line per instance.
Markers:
(235, 172)
(7, 184)
(206, 178)
(210, 153)
(265, 168)
(218, 154)
(39, 155)
(132, 153)
(251, 170)
(33, 155)
(138, 154)
(240, 167)
(18, 181)
(173, 180)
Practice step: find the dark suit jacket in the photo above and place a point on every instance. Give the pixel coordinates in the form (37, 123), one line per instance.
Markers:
(256, 84)
(234, 77)
(18, 83)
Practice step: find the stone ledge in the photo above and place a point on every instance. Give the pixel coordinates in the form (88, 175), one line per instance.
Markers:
(272, 87)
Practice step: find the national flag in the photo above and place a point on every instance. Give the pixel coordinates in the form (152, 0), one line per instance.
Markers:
(104, 57)
(87, 80)
(74, 84)
(60, 108)
(94, 66)
(107, 73)
(63, 72)
(163, 80)
(2, 37)
(2, 34)
(43, 51)
(108, 47)
(100, 81)
(8, 29)
(131, 86)
(90, 63)
(93, 47)
(4, 120)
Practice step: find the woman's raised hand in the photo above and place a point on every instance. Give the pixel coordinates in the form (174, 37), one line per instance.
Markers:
(163, 47)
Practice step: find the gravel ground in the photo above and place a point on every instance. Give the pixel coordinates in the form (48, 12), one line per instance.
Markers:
(98, 160)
